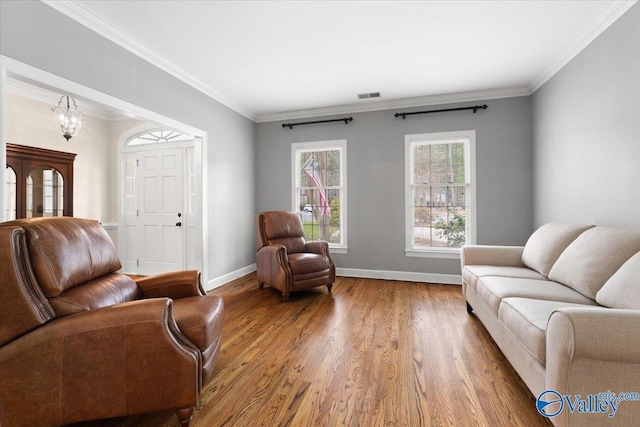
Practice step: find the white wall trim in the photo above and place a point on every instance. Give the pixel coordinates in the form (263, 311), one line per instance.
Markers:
(226, 278)
(84, 17)
(597, 27)
(405, 276)
(420, 101)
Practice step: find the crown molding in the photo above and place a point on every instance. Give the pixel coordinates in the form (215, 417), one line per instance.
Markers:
(597, 27)
(420, 101)
(84, 17)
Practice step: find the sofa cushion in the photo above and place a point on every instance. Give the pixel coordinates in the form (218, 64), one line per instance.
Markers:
(493, 290)
(110, 289)
(593, 257)
(305, 263)
(526, 319)
(547, 243)
(622, 290)
(471, 273)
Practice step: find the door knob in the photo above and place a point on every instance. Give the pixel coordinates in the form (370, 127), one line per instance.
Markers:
(178, 224)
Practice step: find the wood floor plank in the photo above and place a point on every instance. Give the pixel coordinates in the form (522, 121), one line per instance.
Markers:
(371, 353)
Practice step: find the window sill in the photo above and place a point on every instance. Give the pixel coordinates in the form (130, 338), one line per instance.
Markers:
(433, 253)
(338, 250)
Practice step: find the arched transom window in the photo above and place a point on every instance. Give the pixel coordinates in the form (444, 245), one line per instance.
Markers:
(158, 137)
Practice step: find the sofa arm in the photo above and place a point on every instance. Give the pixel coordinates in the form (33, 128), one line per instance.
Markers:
(119, 360)
(509, 256)
(174, 285)
(590, 351)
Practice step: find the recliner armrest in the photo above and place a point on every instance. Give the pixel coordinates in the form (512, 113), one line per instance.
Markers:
(174, 285)
(319, 247)
(273, 250)
(273, 266)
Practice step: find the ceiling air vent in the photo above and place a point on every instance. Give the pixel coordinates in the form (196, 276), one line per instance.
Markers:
(369, 95)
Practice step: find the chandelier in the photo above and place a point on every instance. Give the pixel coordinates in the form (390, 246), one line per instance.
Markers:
(68, 118)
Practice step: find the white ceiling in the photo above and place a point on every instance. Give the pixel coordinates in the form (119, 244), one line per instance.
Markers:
(274, 59)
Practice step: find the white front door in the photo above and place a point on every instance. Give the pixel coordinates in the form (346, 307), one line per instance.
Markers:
(161, 220)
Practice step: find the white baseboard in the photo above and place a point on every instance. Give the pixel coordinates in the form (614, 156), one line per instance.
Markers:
(407, 276)
(226, 278)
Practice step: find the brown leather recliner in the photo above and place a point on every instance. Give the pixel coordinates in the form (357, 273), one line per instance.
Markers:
(285, 260)
(79, 341)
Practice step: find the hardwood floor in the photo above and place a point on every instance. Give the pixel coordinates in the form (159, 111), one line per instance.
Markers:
(371, 353)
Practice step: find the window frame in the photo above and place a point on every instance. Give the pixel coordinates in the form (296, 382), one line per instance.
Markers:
(302, 147)
(468, 137)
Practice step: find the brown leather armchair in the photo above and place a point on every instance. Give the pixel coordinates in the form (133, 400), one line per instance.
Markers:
(285, 260)
(79, 341)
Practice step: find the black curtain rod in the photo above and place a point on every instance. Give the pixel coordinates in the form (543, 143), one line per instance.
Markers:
(346, 121)
(474, 108)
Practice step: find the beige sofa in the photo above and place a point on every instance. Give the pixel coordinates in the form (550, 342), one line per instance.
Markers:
(565, 311)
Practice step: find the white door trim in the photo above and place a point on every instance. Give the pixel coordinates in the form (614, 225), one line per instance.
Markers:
(12, 68)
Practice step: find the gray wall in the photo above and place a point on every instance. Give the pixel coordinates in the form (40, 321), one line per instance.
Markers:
(375, 178)
(586, 133)
(36, 34)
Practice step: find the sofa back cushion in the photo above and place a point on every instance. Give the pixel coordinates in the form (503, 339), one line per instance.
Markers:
(547, 243)
(594, 257)
(23, 306)
(66, 252)
(622, 290)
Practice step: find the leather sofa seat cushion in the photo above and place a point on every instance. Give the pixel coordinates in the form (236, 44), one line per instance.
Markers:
(110, 289)
(471, 273)
(68, 252)
(622, 290)
(305, 263)
(493, 290)
(200, 319)
(594, 257)
(547, 243)
(526, 319)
